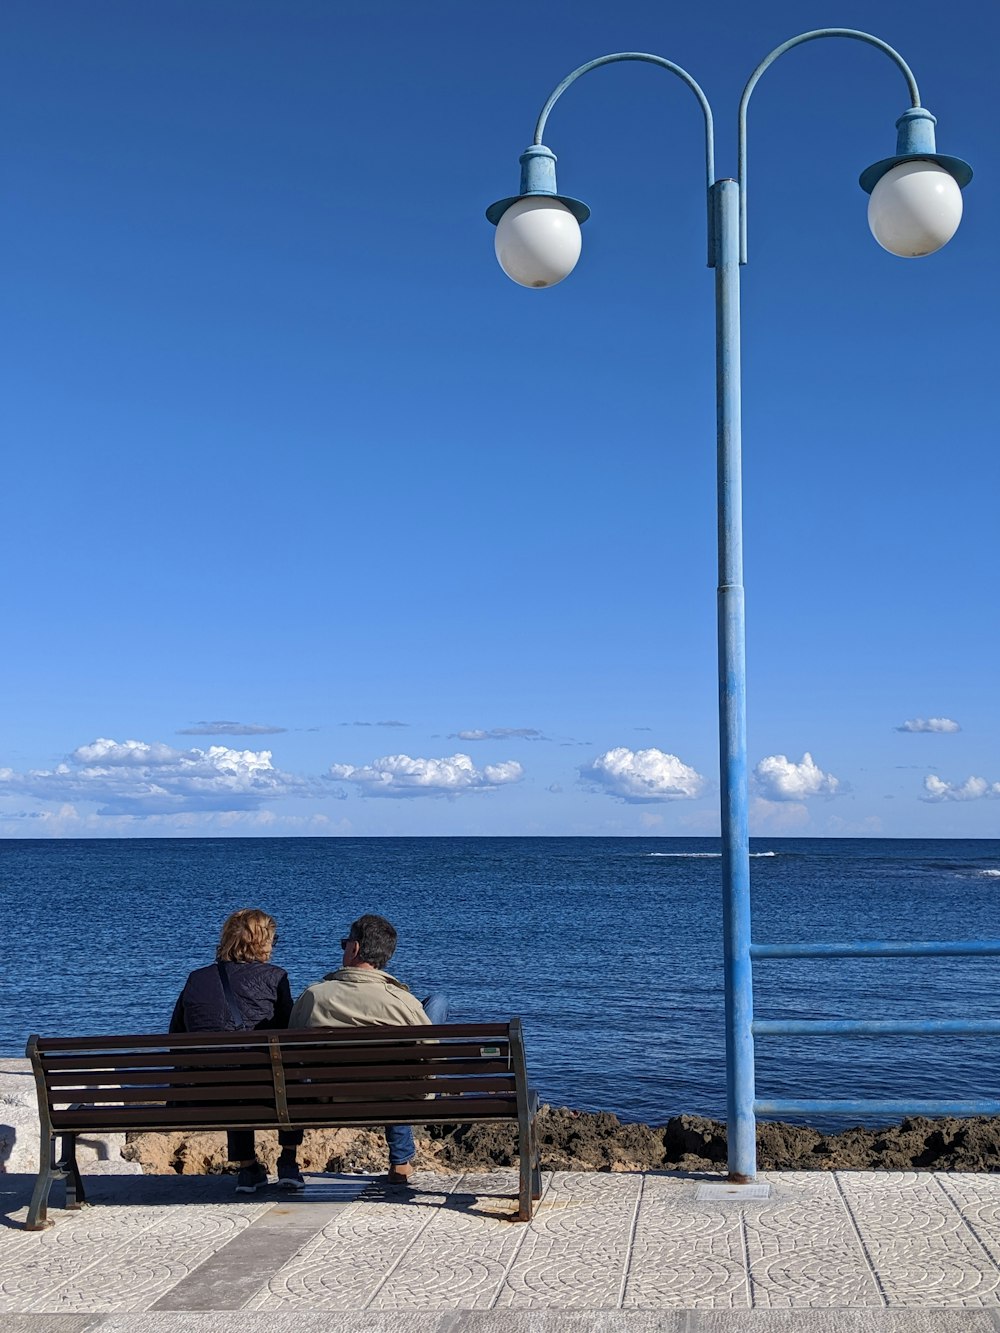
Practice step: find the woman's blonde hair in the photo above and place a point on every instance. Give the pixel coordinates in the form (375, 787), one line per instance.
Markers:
(247, 937)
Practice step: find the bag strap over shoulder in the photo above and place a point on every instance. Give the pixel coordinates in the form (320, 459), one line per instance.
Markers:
(235, 1012)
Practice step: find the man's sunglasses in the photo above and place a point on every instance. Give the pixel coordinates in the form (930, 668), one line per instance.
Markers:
(345, 943)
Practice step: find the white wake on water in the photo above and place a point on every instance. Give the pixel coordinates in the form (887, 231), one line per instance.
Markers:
(698, 855)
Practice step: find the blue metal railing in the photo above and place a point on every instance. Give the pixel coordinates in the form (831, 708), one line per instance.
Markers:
(877, 1027)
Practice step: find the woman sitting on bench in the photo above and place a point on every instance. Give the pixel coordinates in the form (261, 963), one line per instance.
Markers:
(243, 990)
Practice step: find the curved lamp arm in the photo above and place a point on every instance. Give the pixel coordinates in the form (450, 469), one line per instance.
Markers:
(769, 60)
(650, 60)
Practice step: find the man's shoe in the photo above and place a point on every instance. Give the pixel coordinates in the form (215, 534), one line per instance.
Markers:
(289, 1176)
(400, 1173)
(250, 1178)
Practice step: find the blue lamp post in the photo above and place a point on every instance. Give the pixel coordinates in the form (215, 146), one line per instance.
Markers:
(914, 208)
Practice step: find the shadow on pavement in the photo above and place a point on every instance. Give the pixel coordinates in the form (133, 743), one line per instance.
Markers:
(187, 1191)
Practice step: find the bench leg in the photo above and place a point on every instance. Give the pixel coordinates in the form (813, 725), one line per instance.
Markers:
(536, 1165)
(37, 1219)
(525, 1144)
(75, 1195)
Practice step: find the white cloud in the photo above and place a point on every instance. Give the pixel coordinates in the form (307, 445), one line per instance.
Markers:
(399, 775)
(68, 822)
(777, 778)
(135, 778)
(935, 724)
(642, 775)
(972, 789)
(497, 734)
(135, 754)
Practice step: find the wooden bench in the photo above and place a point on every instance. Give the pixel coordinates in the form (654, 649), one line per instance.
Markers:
(313, 1078)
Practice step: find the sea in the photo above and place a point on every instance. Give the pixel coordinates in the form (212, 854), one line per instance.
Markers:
(609, 949)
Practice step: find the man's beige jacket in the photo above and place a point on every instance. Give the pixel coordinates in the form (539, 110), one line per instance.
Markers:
(356, 997)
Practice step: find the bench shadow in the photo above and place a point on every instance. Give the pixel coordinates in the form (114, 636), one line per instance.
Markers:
(164, 1191)
(500, 1204)
(498, 1201)
(15, 1195)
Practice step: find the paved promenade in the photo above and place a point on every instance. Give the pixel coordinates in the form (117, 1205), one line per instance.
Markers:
(653, 1243)
(619, 1253)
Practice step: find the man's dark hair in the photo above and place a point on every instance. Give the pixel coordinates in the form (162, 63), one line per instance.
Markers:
(376, 939)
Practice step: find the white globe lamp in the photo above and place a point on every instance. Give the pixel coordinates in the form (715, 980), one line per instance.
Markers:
(915, 209)
(538, 241)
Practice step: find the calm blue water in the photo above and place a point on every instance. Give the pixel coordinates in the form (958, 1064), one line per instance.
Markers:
(609, 948)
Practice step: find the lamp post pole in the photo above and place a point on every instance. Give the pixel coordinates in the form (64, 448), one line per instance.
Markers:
(733, 775)
(915, 208)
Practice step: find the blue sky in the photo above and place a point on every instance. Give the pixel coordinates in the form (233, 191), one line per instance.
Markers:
(315, 523)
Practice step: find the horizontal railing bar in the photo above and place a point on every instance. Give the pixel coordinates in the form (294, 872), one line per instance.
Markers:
(813, 1106)
(879, 949)
(849, 1027)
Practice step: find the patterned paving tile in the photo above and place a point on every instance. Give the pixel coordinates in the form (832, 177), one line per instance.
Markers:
(132, 1276)
(464, 1255)
(575, 1253)
(686, 1254)
(346, 1265)
(918, 1243)
(109, 1259)
(978, 1199)
(803, 1248)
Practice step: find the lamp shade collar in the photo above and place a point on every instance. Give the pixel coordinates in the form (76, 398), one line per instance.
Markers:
(538, 178)
(915, 143)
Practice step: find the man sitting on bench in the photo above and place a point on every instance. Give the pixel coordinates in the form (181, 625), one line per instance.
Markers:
(360, 993)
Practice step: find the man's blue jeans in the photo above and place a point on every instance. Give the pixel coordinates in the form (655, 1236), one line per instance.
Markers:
(400, 1137)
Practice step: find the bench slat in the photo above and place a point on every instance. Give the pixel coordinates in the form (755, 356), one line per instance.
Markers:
(337, 1091)
(446, 1110)
(440, 1110)
(154, 1078)
(119, 1064)
(223, 1077)
(257, 1092)
(385, 1054)
(143, 1041)
(419, 1087)
(427, 1067)
(260, 1059)
(115, 1118)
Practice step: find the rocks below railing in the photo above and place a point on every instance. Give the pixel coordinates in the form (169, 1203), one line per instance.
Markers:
(598, 1141)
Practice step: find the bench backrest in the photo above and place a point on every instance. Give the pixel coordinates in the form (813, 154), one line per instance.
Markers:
(451, 1073)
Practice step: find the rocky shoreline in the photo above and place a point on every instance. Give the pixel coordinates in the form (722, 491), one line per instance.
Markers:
(598, 1141)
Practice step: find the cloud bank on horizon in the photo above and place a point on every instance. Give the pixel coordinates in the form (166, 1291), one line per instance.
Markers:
(155, 780)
